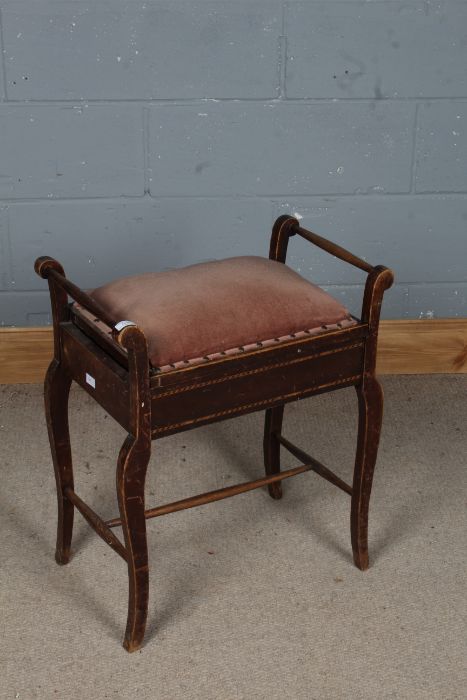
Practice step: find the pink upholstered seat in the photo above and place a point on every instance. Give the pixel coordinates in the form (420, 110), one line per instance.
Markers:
(219, 307)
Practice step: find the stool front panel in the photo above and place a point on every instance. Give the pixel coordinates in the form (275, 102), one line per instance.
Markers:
(183, 407)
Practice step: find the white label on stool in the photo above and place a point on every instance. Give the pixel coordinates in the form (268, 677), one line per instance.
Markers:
(90, 380)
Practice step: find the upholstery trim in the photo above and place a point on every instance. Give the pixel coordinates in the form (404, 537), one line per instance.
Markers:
(345, 323)
(257, 370)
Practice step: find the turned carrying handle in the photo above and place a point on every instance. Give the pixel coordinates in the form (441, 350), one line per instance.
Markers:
(379, 277)
(50, 269)
(333, 248)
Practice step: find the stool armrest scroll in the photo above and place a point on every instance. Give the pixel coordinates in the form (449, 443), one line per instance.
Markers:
(377, 282)
(380, 279)
(283, 229)
(44, 267)
(132, 339)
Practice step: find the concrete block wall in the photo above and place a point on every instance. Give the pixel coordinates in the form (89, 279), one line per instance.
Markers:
(141, 136)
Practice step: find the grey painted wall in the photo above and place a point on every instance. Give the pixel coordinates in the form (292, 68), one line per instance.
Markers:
(146, 135)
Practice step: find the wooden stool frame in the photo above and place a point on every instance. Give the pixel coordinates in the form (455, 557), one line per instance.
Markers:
(115, 370)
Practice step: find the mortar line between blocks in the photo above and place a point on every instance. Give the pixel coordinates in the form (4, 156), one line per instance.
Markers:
(197, 101)
(283, 55)
(274, 198)
(2, 58)
(146, 149)
(9, 251)
(413, 164)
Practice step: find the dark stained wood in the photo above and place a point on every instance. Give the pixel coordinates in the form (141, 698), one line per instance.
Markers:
(284, 227)
(56, 392)
(44, 267)
(103, 339)
(131, 475)
(86, 362)
(380, 279)
(217, 495)
(150, 404)
(97, 524)
(370, 410)
(333, 249)
(259, 359)
(184, 408)
(316, 466)
(53, 271)
(271, 447)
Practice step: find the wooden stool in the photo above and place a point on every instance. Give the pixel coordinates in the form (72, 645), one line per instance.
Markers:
(206, 343)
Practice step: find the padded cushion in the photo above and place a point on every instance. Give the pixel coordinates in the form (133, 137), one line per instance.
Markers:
(218, 306)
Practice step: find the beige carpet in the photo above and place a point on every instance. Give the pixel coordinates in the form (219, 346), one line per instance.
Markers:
(250, 598)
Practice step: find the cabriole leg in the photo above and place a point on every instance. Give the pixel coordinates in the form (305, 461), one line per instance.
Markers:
(271, 446)
(370, 406)
(131, 474)
(56, 392)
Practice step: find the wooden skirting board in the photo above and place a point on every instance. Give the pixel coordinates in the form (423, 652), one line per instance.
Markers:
(405, 347)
